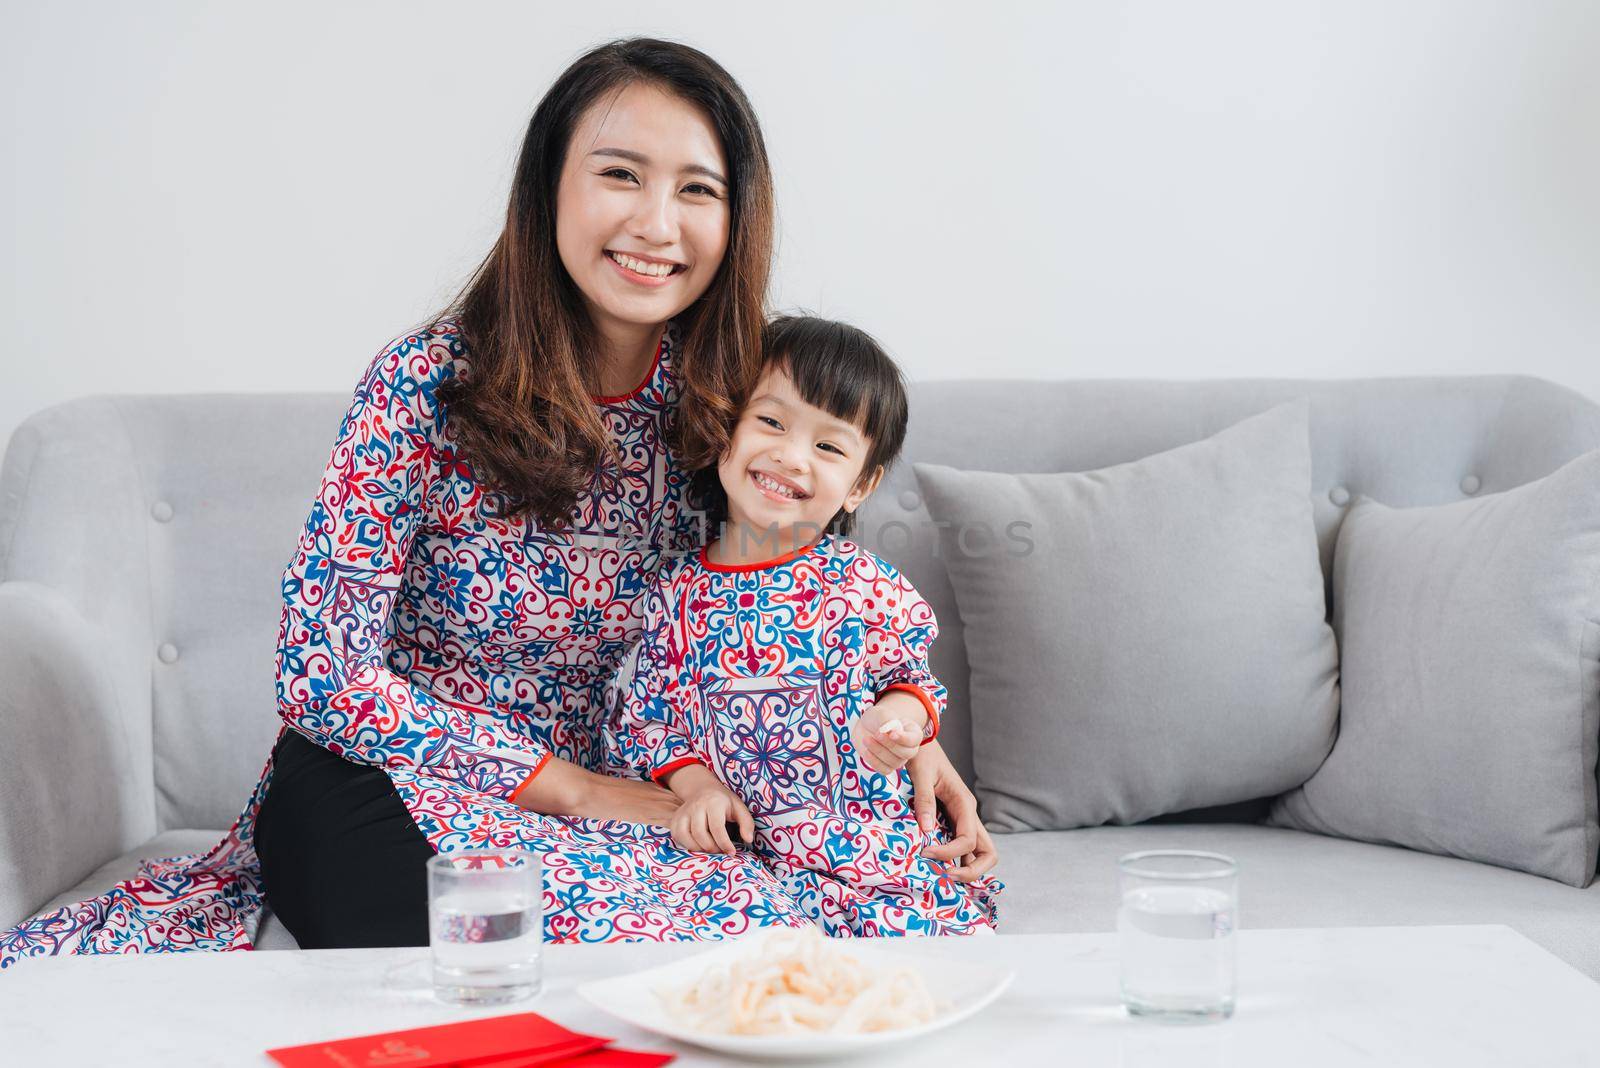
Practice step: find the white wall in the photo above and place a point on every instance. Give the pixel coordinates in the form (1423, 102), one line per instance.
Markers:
(255, 197)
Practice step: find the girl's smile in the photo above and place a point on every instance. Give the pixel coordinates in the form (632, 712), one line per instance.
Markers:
(778, 488)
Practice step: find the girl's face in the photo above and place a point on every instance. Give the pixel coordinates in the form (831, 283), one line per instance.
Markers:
(642, 213)
(790, 462)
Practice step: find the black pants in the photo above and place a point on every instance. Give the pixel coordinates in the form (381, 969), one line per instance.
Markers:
(342, 863)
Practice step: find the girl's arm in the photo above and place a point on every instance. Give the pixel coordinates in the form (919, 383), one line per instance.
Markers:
(901, 629)
(332, 682)
(908, 698)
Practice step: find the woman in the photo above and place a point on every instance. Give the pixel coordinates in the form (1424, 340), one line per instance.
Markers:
(503, 486)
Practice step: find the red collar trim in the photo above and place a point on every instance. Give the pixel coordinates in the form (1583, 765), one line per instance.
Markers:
(710, 565)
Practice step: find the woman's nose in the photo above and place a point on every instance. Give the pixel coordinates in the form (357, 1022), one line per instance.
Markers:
(656, 219)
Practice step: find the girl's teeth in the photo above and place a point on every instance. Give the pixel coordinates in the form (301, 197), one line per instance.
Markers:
(653, 270)
(776, 487)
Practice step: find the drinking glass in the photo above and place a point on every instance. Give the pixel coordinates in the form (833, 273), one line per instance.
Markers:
(485, 925)
(1176, 922)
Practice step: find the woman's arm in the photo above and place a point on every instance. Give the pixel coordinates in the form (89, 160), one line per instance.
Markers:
(934, 780)
(647, 734)
(897, 653)
(332, 681)
(563, 788)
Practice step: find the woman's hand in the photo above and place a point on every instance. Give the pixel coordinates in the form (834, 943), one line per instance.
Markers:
(934, 779)
(701, 824)
(563, 788)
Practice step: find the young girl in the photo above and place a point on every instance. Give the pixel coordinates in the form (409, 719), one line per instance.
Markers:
(781, 683)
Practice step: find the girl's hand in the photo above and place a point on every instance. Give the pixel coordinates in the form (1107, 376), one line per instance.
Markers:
(701, 822)
(888, 734)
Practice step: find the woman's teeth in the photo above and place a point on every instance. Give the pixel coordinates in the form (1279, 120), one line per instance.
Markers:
(653, 270)
(776, 487)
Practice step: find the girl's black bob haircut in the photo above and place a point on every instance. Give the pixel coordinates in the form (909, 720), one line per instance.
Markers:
(842, 370)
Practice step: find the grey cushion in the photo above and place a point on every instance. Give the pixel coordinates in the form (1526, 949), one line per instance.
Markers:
(1067, 881)
(1162, 646)
(1471, 671)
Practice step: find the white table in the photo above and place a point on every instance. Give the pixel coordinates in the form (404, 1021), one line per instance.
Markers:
(1481, 995)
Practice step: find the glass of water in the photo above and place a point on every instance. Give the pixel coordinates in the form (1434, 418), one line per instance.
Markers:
(1176, 922)
(485, 925)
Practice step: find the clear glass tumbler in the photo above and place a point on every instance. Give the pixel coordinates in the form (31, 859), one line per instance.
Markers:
(485, 924)
(1176, 921)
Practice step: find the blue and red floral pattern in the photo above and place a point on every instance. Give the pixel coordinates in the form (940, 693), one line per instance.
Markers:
(459, 651)
(759, 672)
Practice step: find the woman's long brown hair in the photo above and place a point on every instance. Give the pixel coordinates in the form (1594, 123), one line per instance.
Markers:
(523, 415)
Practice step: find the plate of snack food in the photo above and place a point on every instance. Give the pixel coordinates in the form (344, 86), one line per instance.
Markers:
(790, 992)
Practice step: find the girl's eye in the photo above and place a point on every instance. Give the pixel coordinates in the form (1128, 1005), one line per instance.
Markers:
(831, 448)
(769, 420)
(618, 172)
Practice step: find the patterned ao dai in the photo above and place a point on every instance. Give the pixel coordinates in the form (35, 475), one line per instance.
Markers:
(459, 652)
(758, 672)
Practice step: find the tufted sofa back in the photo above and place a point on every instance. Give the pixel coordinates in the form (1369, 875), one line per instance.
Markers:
(1402, 441)
(167, 521)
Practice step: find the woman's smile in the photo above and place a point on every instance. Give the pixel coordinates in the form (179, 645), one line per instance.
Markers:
(644, 270)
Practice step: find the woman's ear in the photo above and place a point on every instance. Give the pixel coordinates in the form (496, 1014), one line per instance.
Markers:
(863, 489)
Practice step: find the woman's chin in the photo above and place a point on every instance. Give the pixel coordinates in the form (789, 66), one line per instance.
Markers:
(631, 306)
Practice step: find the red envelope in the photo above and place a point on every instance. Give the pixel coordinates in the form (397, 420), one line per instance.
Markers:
(600, 1058)
(527, 1036)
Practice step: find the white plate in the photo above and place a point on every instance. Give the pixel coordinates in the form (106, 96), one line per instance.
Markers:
(962, 988)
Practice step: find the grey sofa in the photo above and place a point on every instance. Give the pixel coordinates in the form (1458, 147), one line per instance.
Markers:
(142, 539)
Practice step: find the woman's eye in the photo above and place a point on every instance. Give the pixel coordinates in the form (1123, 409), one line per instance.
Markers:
(619, 172)
(700, 190)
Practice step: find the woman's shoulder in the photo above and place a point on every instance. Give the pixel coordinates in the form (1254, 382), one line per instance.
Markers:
(437, 350)
(407, 370)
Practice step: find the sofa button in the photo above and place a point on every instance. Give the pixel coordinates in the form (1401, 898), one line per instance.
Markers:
(161, 511)
(168, 653)
(909, 499)
(1470, 485)
(1339, 496)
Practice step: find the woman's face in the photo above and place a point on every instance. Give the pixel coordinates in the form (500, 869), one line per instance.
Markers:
(642, 212)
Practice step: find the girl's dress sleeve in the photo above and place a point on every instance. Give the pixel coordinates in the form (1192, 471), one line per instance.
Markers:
(649, 734)
(333, 684)
(900, 630)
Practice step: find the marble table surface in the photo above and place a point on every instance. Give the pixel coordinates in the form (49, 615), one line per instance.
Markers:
(1457, 995)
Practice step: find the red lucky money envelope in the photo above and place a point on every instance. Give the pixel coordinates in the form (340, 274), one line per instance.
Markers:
(525, 1039)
